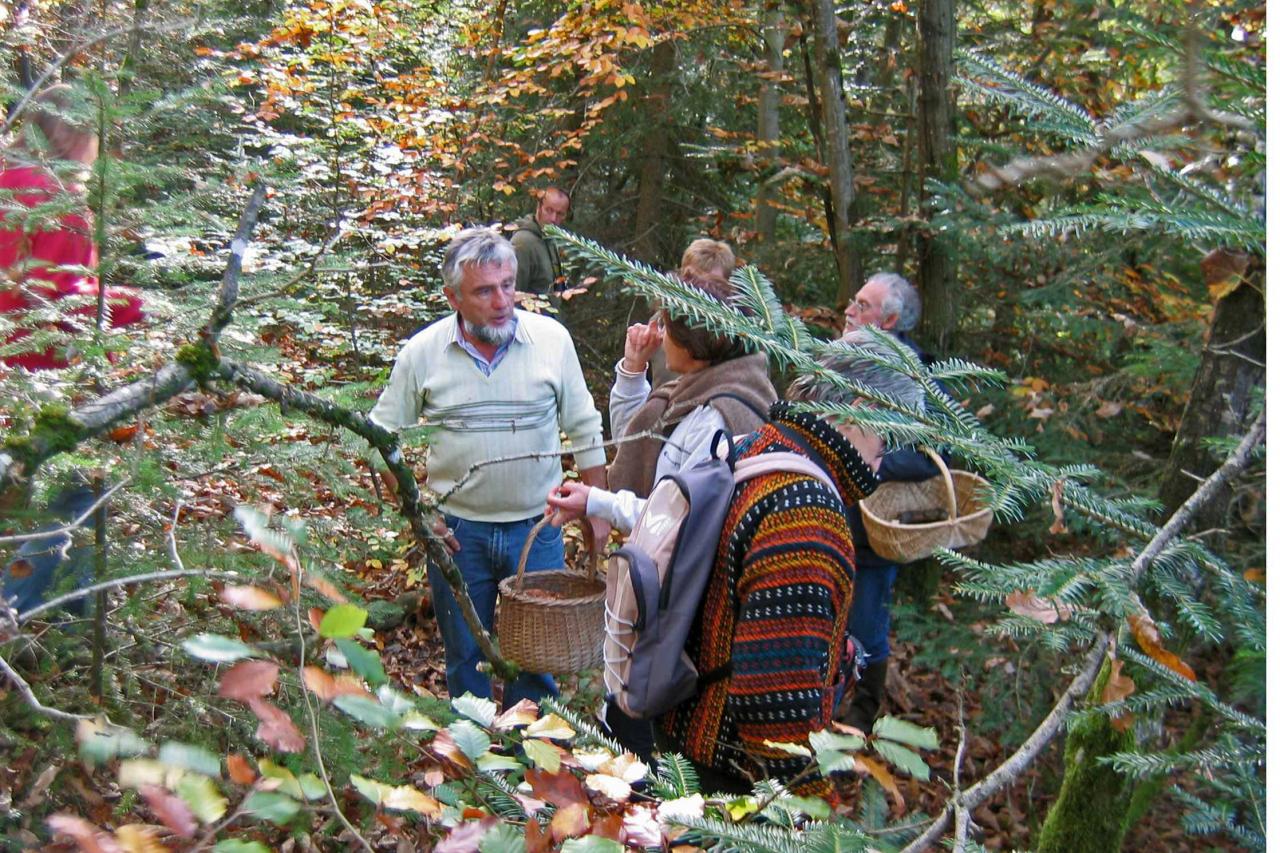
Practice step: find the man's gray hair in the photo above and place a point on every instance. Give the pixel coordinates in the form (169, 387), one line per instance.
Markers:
(856, 367)
(474, 247)
(902, 299)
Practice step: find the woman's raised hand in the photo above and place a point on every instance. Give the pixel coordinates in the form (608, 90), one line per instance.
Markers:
(643, 340)
(567, 502)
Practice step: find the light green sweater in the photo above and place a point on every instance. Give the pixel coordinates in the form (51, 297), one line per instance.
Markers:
(536, 391)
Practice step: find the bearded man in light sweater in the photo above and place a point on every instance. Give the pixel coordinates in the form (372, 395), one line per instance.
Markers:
(492, 381)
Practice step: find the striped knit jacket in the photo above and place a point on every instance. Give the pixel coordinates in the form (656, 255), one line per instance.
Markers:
(775, 610)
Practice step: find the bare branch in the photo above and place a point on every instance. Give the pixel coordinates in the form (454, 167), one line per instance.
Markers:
(28, 615)
(25, 689)
(75, 524)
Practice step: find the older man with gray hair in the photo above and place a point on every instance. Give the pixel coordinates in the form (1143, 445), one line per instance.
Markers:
(890, 303)
(492, 381)
(887, 301)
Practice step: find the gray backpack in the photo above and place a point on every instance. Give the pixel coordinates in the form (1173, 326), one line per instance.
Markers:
(657, 579)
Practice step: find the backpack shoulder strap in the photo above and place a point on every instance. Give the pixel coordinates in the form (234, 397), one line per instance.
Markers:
(766, 463)
(742, 401)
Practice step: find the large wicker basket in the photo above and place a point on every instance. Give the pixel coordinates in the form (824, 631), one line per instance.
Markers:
(553, 620)
(954, 494)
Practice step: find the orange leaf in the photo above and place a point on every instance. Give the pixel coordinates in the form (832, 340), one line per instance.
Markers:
(326, 588)
(20, 568)
(1148, 637)
(315, 616)
(249, 598)
(569, 822)
(275, 728)
(123, 433)
(522, 713)
(328, 688)
(240, 770)
(881, 774)
(248, 680)
(444, 746)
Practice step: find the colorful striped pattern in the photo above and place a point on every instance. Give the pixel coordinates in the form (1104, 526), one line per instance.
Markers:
(775, 608)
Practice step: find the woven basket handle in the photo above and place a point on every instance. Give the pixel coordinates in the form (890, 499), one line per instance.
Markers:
(952, 509)
(587, 533)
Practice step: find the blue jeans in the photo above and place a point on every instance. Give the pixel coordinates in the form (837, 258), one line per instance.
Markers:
(869, 614)
(490, 552)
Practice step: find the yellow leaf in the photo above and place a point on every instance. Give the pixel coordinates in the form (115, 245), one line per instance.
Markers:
(408, 798)
(610, 786)
(550, 726)
(137, 838)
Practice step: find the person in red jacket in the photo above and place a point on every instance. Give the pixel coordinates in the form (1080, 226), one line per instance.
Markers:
(43, 262)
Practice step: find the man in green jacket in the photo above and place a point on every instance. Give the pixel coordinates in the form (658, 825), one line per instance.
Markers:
(538, 262)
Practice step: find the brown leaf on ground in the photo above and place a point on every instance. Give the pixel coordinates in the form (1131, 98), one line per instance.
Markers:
(569, 821)
(1148, 637)
(881, 774)
(276, 729)
(560, 789)
(249, 680)
(328, 687)
(240, 770)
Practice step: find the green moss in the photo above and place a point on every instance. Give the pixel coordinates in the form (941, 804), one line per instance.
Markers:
(1089, 815)
(200, 359)
(52, 432)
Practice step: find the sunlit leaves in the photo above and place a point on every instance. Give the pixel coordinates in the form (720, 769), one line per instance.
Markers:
(101, 741)
(343, 620)
(217, 649)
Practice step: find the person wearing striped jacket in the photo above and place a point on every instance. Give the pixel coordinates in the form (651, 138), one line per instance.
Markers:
(771, 633)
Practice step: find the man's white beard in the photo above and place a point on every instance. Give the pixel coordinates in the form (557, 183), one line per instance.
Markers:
(494, 336)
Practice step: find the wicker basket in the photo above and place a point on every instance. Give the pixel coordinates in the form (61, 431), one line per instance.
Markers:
(553, 620)
(953, 493)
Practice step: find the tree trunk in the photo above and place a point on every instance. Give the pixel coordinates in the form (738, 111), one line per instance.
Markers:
(1089, 813)
(1231, 367)
(937, 36)
(767, 123)
(839, 162)
(653, 159)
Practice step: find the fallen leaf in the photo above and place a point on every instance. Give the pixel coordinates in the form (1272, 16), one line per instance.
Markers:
(522, 713)
(550, 726)
(249, 598)
(249, 680)
(559, 789)
(881, 774)
(569, 821)
(89, 837)
(1148, 636)
(276, 729)
(137, 838)
(1223, 271)
(406, 797)
(1055, 497)
(1109, 409)
(465, 837)
(610, 786)
(328, 687)
(240, 770)
(1044, 610)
